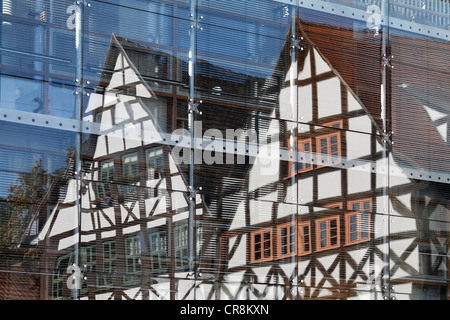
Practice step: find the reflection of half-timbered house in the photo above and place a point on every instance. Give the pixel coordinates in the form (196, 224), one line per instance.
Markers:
(133, 198)
(124, 232)
(318, 227)
(309, 213)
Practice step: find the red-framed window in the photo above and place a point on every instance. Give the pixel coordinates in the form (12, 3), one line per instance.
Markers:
(261, 248)
(328, 149)
(304, 148)
(327, 233)
(328, 146)
(304, 238)
(286, 236)
(303, 162)
(357, 223)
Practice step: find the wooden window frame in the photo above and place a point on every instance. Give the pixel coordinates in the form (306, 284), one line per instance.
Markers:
(133, 255)
(152, 159)
(181, 249)
(290, 236)
(158, 250)
(104, 183)
(261, 232)
(59, 276)
(307, 154)
(301, 238)
(338, 124)
(130, 165)
(329, 155)
(130, 173)
(360, 229)
(329, 235)
(302, 153)
(360, 201)
(109, 258)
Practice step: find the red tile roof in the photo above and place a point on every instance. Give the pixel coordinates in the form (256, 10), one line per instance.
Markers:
(18, 284)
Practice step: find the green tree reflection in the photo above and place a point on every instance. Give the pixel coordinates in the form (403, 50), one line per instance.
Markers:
(25, 208)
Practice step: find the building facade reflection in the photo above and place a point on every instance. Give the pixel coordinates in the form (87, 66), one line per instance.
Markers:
(196, 151)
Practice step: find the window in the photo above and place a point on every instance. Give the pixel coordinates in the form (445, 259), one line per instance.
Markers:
(358, 222)
(304, 161)
(109, 264)
(360, 205)
(329, 146)
(155, 162)
(59, 276)
(181, 245)
(328, 149)
(130, 165)
(286, 235)
(334, 124)
(129, 173)
(88, 260)
(158, 250)
(261, 245)
(155, 168)
(304, 238)
(106, 175)
(327, 233)
(133, 264)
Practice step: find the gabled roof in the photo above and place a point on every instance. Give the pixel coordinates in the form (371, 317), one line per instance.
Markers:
(418, 88)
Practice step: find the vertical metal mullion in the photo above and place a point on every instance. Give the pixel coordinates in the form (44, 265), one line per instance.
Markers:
(79, 17)
(293, 288)
(191, 122)
(385, 107)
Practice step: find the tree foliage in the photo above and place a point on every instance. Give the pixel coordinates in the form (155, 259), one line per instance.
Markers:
(25, 199)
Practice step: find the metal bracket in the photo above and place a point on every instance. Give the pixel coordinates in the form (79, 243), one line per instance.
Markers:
(195, 23)
(295, 43)
(81, 87)
(78, 2)
(193, 106)
(193, 192)
(386, 61)
(388, 294)
(386, 137)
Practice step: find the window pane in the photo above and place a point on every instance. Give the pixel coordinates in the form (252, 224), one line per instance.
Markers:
(333, 241)
(333, 224)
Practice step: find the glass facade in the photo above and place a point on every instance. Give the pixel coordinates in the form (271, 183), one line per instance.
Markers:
(224, 150)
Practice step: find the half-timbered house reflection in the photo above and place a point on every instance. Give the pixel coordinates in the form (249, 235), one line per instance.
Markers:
(266, 153)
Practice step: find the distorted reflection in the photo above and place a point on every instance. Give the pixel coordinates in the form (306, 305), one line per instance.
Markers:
(300, 155)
